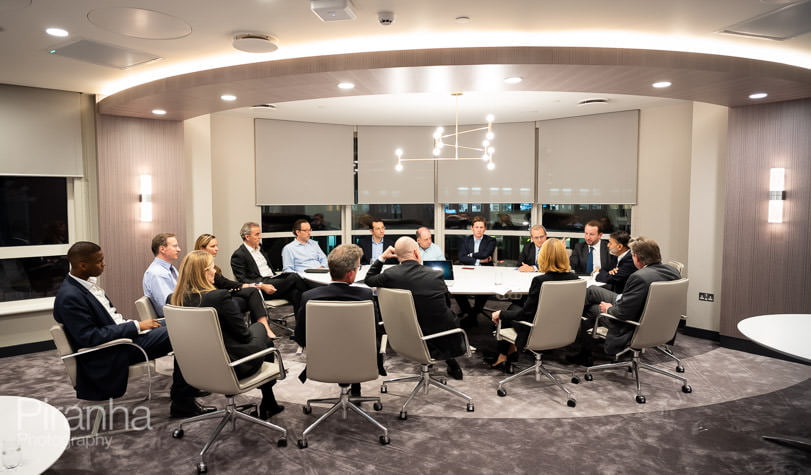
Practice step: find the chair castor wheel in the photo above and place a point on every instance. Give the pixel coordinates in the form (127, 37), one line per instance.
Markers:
(377, 406)
(302, 444)
(307, 409)
(177, 433)
(201, 468)
(680, 369)
(384, 440)
(403, 415)
(589, 377)
(501, 392)
(384, 389)
(640, 399)
(281, 442)
(571, 403)
(575, 380)
(686, 389)
(470, 407)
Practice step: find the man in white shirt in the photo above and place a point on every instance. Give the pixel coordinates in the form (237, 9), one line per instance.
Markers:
(303, 253)
(160, 277)
(428, 249)
(528, 261)
(592, 254)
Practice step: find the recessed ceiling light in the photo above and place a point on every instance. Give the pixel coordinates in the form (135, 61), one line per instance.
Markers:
(158, 111)
(661, 84)
(596, 100)
(228, 97)
(513, 80)
(57, 32)
(462, 19)
(263, 106)
(758, 95)
(346, 85)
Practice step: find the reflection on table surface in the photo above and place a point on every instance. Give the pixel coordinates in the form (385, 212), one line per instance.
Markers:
(469, 280)
(40, 429)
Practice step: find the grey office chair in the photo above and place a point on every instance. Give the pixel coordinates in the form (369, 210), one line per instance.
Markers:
(200, 352)
(67, 354)
(144, 309)
(341, 348)
(659, 320)
(556, 323)
(278, 320)
(406, 338)
(666, 348)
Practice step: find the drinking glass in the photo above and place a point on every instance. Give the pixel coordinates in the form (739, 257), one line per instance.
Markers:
(12, 453)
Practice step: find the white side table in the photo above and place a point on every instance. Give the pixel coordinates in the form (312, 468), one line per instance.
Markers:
(42, 431)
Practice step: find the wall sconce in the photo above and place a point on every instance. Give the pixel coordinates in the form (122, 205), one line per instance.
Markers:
(145, 198)
(777, 194)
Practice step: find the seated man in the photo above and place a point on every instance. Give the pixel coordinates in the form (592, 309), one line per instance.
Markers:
(90, 319)
(374, 244)
(616, 277)
(160, 277)
(528, 261)
(250, 264)
(431, 298)
(429, 251)
(302, 253)
(344, 262)
(476, 250)
(591, 255)
(626, 306)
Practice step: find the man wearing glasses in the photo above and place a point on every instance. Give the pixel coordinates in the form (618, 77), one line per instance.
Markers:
(302, 253)
(529, 255)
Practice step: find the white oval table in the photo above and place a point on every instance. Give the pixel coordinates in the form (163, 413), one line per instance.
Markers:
(42, 431)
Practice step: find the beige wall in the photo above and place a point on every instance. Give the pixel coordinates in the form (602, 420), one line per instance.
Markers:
(197, 154)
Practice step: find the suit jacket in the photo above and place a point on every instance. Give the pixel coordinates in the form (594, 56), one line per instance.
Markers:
(528, 255)
(632, 302)
(486, 249)
(244, 267)
(616, 282)
(580, 255)
(431, 301)
(365, 243)
(102, 374)
(334, 291)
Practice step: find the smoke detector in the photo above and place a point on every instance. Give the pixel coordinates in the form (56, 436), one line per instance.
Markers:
(255, 43)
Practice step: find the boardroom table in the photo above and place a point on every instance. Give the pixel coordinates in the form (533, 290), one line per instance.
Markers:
(40, 431)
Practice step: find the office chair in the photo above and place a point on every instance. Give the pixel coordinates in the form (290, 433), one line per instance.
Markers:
(200, 352)
(406, 338)
(666, 348)
(341, 348)
(556, 323)
(659, 320)
(144, 309)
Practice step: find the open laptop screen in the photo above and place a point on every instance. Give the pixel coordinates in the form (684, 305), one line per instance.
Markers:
(446, 267)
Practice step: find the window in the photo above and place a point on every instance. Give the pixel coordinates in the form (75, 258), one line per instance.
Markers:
(281, 218)
(499, 216)
(405, 217)
(573, 218)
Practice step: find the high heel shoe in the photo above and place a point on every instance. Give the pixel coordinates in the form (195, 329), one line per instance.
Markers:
(504, 366)
(266, 412)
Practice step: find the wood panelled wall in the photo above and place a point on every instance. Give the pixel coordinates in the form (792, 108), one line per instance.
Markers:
(128, 148)
(766, 266)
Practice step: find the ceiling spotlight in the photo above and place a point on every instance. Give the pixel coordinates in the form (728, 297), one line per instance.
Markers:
(158, 111)
(462, 19)
(661, 84)
(346, 85)
(263, 106)
(758, 95)
(596, 100)
(513, 80)
(255, 43)
(228, 97)
(57, 32)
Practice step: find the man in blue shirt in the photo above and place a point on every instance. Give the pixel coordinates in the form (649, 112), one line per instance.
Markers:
(376, 243)
(160, 277)
(428, 249)
(303, 253)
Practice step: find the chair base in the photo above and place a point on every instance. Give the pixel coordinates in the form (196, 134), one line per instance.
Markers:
(230, 413)
(343, 402)
(425, 380)
(668, 352)
(539, 368)
(634, 366)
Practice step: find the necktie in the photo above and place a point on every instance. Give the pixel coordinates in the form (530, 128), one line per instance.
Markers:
(173, 271)
(590, 260)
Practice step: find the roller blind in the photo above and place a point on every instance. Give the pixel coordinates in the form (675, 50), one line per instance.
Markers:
(588, 159)
(300, 163)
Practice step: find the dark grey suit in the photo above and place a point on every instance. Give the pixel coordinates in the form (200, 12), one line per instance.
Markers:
(288, 285)
(365, 244)
(528, 255)
(616, 282)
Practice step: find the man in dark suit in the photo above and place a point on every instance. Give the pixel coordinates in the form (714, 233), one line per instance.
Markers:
(375, 243)
(591, 255)
(615, 278)
(343, 263)
(629, 305)
(250, 264)
(476, 250)
(528, 260)
(431, 298)
(90, 319)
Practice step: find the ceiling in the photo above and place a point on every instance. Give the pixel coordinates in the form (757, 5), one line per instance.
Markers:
(566, 51)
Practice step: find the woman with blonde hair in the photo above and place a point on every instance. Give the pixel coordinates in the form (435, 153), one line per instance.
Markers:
(195, 288)
(553, 262)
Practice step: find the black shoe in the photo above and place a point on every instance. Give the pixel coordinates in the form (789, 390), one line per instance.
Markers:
(354, 391)
(266, 413)
(504, 366)
(188, 408)
(200, 393)
(454, 371)
(468, 322)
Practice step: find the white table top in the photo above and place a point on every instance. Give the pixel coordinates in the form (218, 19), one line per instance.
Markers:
(42, 431)
(468, 280)
(784, 333)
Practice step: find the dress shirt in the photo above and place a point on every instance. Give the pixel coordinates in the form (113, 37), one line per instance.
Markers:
(377, 249)
(476, 243)
(160, 280)
(433, 253)
(261, 262)
(98, 292)
(298, 256)
(595, 257)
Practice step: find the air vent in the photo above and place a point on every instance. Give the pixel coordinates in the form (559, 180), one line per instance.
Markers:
(255, 43)
(781, 24)
(586, 102)
(104, 54)
(263, 106)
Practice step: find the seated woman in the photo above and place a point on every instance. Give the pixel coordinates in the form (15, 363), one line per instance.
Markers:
(554, 263)
(195, 288)
(245, 295)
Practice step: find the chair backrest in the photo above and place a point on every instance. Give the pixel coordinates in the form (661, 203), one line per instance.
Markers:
(557, 319)
(402, 327)
(144, 308)
(199, 349)
(676, 265)
(64, 347)
(341, 345)
(666, 303)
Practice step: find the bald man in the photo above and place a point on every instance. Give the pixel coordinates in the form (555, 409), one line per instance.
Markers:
(431, 298)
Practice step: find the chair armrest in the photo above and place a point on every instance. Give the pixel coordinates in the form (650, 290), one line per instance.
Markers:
(609, 317)
(522, 322)
(452, 331)
(109, 344)
(259, 354)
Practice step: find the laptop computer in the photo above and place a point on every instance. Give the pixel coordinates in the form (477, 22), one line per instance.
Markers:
(446, 267)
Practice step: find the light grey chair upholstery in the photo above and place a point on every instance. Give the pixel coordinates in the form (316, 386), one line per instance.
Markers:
(556, 323)
(666, 348)
(342, 349)
(145, 310)
(200, 352)
(67, 354)
(660, 317)
(279, 320)
(406, 338)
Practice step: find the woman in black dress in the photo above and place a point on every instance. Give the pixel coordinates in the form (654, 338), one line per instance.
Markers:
(554, 263)
(195, 288)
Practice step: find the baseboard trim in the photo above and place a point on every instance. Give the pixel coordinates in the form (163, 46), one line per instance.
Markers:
(700, 333)
(27, 348)
(749, 346)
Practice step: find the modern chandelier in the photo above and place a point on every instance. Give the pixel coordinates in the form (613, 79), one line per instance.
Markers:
(442, 141)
